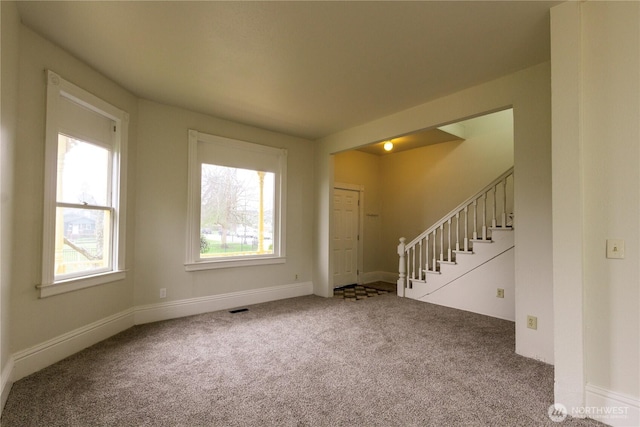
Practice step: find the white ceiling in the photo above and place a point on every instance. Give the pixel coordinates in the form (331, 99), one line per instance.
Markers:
(501, 121)
(302, 68)
(409, 142)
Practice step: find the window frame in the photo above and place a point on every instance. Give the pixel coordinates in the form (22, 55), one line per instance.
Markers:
(107, 207)
(193, 260)
(58, 88)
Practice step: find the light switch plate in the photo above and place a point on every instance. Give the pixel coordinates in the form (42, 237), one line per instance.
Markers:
(615, 248)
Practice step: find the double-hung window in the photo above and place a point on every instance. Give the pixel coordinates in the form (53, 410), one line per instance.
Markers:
(85, 141)
(236, 197)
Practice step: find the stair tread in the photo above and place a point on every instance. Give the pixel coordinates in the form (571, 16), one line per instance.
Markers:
(463, 252)
(446, 262)
(482, 240)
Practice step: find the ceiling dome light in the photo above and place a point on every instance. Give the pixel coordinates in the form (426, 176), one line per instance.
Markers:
(388, 146)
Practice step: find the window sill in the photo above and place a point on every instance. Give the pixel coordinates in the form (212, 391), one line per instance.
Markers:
(77, 283)
(212, 265)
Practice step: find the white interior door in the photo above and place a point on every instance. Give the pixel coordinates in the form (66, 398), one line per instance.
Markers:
(345, 236)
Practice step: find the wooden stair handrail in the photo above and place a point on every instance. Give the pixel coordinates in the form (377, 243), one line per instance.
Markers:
(459, 208)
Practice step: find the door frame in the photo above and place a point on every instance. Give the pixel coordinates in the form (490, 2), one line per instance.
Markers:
(360, 245)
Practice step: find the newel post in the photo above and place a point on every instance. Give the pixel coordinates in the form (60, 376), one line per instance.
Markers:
(402, 267)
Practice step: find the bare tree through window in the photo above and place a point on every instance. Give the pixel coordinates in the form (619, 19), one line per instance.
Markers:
(231, 209)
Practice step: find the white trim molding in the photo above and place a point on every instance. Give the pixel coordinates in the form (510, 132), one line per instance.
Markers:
(222, 263)
(80, 283)
(51, 351)
(219, 151)
(37, 357)
(6, 382)
(379, 276)
(189, 307)
(106, 126)
(609, 407)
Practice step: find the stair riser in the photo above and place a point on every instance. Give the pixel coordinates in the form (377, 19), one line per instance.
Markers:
(465, 263)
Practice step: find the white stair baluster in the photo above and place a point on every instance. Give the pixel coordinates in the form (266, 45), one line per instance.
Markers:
(441, 242)
(466, 228)
(413, 257)
(434, 249)
(484, 216)
(409, 283)
(420, 262)
(457, 231)
(504, 203)
(426, 254)
(495, 193)
(449, 246)
(475, 219)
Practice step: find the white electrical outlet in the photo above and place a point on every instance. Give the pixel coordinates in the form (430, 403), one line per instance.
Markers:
(500, 293)
(532, 322)
(163, 292)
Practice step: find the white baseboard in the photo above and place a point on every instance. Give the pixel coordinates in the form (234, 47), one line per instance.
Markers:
(189, 307)
(609, 407)
(379, 276)
(6, 383)
(389, 277)
(33, 359)
(51, 351)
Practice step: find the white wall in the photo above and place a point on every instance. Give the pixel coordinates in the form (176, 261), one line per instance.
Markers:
(420, 186)
(476, 291)
(567, 205)
(34, 320)
(595, 193)
(161, 177)
(528, 91)
(8, 123)
(407, 192)
(37, 332)
(532, 222)
(596, 116)
(612, 202)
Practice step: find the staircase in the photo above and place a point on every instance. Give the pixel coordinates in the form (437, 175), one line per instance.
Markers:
(462, 260)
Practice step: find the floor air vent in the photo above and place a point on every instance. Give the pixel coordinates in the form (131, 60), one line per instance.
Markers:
(238, 310)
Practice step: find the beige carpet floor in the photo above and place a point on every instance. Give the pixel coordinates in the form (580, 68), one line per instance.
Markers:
(309, 361)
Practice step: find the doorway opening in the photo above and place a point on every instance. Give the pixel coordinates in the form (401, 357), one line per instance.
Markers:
(345, 234)
(424, 176)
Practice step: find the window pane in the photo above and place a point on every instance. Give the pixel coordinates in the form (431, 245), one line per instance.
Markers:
(83, 172)
(83, 238)
(236, 216)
